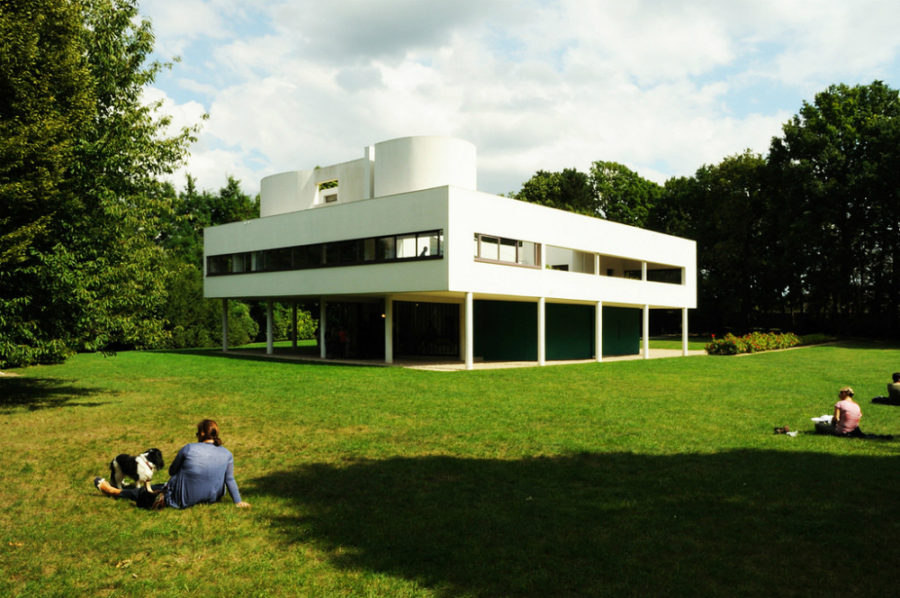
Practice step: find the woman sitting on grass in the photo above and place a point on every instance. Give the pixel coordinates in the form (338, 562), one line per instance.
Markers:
(199, 474)
(845, 421)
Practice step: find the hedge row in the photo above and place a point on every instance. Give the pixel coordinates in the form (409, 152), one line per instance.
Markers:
(753, 342)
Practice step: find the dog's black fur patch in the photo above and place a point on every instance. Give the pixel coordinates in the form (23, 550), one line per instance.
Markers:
(139, 468)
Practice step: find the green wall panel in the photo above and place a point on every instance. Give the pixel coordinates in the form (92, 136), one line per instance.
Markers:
(570, 331)
(621, 331)
(505, 330)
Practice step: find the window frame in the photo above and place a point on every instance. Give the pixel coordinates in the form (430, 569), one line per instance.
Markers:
(518, 244)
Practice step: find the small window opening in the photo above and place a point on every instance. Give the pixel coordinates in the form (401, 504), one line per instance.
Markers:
(328, 191)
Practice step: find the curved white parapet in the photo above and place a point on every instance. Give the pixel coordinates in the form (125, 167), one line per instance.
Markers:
(285, 192)
(415, 163)
(390, 167)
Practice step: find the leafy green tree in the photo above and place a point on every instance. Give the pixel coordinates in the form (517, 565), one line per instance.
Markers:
(192, 320)
(622, 195)
(836, 167)
(79, 180)
(45, 96)
(726, 207)
(195, 210)
(568, 190)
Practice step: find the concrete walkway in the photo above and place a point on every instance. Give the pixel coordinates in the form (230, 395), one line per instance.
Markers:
(445, 365)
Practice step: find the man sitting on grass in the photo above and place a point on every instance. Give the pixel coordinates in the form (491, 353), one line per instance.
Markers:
(893, 389)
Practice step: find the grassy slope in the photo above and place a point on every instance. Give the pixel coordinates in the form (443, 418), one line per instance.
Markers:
(634, 478)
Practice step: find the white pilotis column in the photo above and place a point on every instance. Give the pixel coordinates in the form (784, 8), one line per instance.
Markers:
(646, 332)
(469, 340)
(294, 325)
(684, 331)
(542, 336)
(270, 348)
(598, 332)
(388, 330)
(224, 325)
(322, 307)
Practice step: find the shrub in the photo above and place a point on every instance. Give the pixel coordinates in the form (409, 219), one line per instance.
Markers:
(815, 339)
(753, 342)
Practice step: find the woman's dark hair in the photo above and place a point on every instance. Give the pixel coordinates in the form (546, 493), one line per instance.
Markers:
(896, 376)
(208, 430)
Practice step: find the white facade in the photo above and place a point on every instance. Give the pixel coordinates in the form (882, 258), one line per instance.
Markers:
(426, 185)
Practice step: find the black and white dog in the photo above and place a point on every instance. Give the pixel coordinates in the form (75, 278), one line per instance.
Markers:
(139, 468)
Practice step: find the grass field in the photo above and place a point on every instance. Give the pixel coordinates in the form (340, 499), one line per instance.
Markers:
(635, 478)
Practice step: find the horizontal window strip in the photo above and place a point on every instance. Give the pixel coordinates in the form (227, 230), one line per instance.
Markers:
(404, 247)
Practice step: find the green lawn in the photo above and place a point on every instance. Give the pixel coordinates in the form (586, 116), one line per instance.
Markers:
(633, 478)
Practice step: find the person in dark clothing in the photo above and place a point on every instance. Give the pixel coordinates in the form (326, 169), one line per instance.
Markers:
(893, 388)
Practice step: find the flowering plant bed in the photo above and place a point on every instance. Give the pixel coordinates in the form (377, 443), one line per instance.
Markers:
(753, 342)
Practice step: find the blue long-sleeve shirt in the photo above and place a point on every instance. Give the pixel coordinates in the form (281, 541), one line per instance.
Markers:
(199, 473)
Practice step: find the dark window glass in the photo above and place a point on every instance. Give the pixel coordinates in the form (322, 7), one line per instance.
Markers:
(302, 256)
(217, 264)
(349, 251)
(237, 263)
(386, 248)
(368, 249)
(332, 254)
(256, 261)
(278, 259)
(669, 275)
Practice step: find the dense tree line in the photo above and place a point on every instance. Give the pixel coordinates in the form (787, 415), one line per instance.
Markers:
(805, 238)
(96, 252)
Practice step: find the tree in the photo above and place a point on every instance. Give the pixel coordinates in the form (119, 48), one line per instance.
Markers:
(44, 97)
(566, 190)
(194, 210)
(191, 320)
(726, 214)
(622, 195)
(836, 165)
(79, 181)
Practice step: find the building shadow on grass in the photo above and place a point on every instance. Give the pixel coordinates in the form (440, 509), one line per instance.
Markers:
(17, 392)
(303, 356)
(734, 523)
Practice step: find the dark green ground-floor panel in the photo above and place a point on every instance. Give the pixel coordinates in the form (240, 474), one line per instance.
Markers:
(621, 331)
(570, 331)
(505, 330)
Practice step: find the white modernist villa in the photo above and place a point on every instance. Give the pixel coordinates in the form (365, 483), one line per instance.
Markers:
(407, 260)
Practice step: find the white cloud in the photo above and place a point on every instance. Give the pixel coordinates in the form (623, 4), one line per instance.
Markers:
(662, 87)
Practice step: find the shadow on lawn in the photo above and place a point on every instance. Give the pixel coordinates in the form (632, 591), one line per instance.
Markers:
(283, 355)
(40, 393)
(736, 523)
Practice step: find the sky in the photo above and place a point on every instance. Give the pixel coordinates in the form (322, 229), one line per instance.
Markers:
(662, 87)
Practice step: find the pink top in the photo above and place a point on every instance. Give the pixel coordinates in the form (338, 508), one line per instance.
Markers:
(850, 415)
